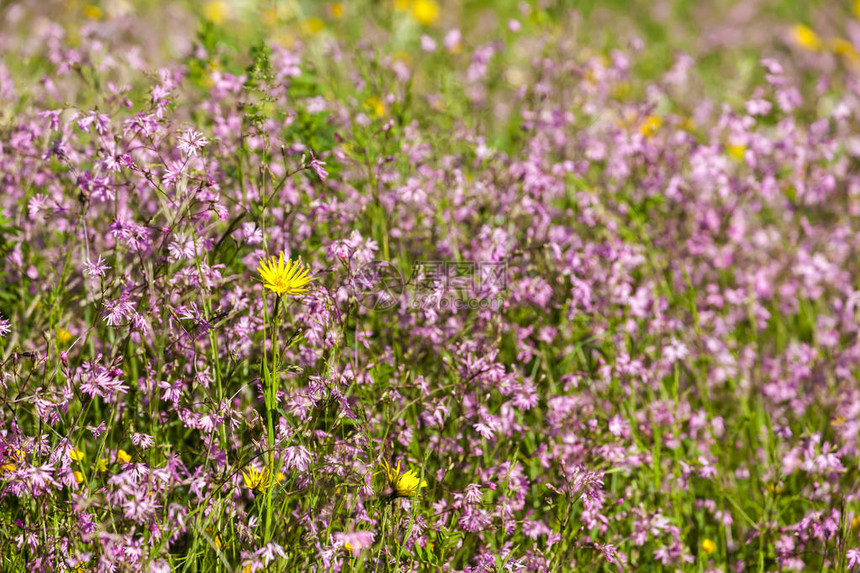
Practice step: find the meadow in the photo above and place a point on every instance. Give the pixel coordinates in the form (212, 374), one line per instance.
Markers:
(429, 285)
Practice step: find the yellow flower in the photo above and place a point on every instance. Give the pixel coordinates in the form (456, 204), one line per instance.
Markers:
(313, 26)
(337, 10)
(76, 454)
(216, 11)
(426, 12)
(269, 17)
(284, 278)
(8, 467)
(348, 546)
(708, 546)
(845, 49)
(402, 485)
(123, 457)
(102, 465)
(857, 8)
(401, 5)
(650, 126)
(806, 38)
(92, 12)
(838, 421)
(736, 152)
(376, 106)
(855, 523)
(79, 477)
(63, 336)
(256, 479)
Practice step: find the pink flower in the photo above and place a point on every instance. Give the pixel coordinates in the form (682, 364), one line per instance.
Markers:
(317, 166)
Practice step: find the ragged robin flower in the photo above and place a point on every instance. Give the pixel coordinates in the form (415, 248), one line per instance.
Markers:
(402, 485)
(284, 277)
(256, 479)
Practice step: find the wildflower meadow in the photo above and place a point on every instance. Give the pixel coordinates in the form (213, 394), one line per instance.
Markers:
(472, 286)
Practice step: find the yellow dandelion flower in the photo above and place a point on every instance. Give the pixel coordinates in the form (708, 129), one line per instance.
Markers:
(280, 476)
(806, 38)
(402, 485)
(123, 457)
(92, 12)
(650, 126)
(313, 26)
(708, 546)
(736, 152)
(76, 454)
(63, 336)
(79, 477)
(375, 106)
(845, 49)
(282, 277)
(337, 10)
(256, 479)
(216, 11)
(425, 12)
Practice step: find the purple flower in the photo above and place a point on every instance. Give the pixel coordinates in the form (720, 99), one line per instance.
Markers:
(297, 458)
(317, 166)
(95, 269)
(190, 142)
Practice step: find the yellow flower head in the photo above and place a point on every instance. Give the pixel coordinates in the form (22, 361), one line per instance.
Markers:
(426, 12)
(216, 12)
(806, 38)
(76, 454)
(845, 49)
(375, 106)
(282, 277)
(79, 477)
(123, 457)
(256, 479)
(63, 336)
(736, 152)
(650, 126)
(92, 12)
(402, 485)
(313, 26)
(708, 546)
